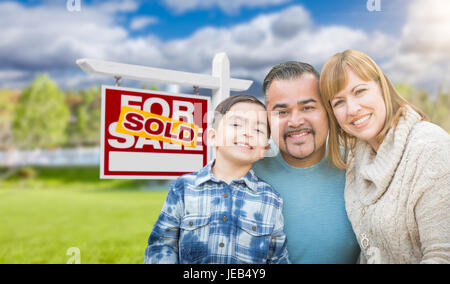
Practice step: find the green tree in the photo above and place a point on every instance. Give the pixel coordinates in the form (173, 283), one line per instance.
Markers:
(147, 87)
(6, 110)
(441, 112)
(41, 115)
(84, 126)
(419, 98)
(438, 109)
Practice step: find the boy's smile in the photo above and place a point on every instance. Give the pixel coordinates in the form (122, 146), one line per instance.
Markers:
(245, 146)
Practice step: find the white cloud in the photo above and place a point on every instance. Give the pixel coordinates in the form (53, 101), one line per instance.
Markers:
(50, 37)
(228, 6)
(428, 27)
(253, 46)
(423, 58)
(290, 21)
(115, 6)
(138, 23)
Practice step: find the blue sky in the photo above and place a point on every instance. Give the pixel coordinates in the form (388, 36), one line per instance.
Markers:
(171, 23)
(410, 39)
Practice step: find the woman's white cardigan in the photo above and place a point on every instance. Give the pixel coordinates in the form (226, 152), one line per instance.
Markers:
(398, 199)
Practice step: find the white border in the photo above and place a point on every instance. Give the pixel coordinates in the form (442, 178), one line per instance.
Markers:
(102, 130)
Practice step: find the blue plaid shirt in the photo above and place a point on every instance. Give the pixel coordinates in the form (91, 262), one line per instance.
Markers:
(205, 220)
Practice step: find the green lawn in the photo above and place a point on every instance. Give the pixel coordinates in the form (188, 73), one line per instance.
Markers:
(108, 220)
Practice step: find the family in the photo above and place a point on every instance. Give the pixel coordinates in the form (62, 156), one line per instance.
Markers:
(359, 176)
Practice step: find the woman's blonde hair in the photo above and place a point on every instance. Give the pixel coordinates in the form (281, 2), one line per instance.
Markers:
(334, 78)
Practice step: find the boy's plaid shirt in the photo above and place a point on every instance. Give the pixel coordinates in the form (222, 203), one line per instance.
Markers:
(205, 220)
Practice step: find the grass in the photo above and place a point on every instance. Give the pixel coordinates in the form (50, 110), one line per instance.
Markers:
(108, 220)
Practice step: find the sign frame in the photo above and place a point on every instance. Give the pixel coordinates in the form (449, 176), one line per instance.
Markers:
(209, 150)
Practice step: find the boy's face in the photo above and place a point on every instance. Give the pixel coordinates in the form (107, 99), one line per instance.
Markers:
(242, 133)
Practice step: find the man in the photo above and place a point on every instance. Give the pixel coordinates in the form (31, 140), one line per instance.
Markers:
(316, 223)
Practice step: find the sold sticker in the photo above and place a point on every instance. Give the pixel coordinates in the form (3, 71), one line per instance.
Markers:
(149, 125)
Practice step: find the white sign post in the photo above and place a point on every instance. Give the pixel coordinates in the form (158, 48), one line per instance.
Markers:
(219, 82)
(152, 159)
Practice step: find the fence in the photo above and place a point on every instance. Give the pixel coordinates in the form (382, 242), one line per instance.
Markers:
(57, 157)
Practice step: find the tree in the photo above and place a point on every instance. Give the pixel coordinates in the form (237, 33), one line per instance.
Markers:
(6, 110)
(147, 87)
(419, 98)
(438, 110)
(41, 115)
(441, 113)
(84, 126)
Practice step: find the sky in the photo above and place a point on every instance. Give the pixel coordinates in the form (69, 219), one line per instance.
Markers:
(409, 39)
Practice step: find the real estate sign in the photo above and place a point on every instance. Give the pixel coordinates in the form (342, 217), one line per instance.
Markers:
(152, 135)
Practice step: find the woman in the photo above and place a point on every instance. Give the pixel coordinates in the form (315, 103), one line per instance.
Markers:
(398, 164)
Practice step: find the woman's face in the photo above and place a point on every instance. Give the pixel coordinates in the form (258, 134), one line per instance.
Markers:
(359, 109)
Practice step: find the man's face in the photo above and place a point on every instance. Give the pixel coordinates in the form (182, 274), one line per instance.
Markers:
(297, 118)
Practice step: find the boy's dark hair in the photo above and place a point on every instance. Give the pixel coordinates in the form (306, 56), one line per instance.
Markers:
(226, 105)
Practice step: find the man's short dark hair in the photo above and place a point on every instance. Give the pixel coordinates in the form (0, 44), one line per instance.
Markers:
(287, 71)
(226, 105)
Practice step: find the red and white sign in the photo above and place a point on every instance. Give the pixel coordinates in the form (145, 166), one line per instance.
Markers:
(126, 156)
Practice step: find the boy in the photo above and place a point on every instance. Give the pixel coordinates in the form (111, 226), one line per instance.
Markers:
(224, 213)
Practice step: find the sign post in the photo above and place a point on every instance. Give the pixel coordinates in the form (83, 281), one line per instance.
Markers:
(157, 135)
(219, 82)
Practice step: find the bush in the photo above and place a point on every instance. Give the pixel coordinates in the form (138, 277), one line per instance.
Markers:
(27, 173)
